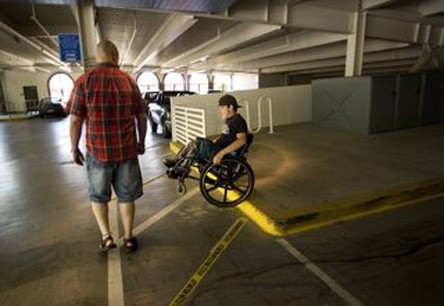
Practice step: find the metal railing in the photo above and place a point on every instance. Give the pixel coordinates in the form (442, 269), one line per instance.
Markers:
(188, 123)
(259, 114)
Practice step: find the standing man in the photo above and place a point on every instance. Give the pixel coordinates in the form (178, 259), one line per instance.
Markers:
(110, 102)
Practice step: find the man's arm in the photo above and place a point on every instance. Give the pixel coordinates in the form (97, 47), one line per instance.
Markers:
(139, 112)
(77, 109)
(237, 144)
(75, 132)
(141, 128)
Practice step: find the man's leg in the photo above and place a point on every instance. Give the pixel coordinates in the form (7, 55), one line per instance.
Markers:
(99, 180)
(128, 187)
(100, 211)
(127, 211)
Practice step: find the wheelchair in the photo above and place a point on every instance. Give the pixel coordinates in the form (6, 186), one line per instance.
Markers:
(224, 185)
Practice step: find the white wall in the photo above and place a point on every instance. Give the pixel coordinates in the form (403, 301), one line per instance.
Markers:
(13, 82)
(291, 104)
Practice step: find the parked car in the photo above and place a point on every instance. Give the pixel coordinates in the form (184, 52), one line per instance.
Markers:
(50, 106)
(159, 110)
(149, 97)
(211, 91)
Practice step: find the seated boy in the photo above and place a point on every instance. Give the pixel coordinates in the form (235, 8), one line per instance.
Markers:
(232, 138)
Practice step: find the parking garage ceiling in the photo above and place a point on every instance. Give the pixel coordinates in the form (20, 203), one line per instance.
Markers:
(307, 37)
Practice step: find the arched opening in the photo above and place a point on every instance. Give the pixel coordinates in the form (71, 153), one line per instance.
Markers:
(147, 81)
(222, 82)
(199, 83)
(174, 81)
(60, 86)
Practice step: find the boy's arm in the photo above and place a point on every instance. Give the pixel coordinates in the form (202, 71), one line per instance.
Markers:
(237, 144)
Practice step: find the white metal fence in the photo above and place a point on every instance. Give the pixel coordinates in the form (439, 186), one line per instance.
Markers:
(188, 123)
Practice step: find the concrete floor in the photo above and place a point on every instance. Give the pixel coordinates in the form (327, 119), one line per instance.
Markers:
(313, 167)
(49, 241)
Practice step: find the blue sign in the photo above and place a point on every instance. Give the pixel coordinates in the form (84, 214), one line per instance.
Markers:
(69, 45)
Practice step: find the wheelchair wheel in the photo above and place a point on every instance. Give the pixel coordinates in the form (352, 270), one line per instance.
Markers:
(227, 184)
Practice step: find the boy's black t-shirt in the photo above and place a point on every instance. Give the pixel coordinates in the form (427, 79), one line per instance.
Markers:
(231, 128)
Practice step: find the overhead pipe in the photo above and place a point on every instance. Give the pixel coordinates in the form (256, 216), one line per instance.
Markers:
(29, 67)
(122, 62)
(50, 57)
(37, 22)
(40, 25)
(43, 45)
(43, 70)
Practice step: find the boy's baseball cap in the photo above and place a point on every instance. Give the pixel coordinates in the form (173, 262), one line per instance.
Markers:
(229, 100)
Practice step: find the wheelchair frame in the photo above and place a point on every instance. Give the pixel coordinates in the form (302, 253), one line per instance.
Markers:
(224, 185)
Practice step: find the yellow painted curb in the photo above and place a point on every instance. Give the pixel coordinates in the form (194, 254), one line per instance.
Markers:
(322, 221)
(266, 223)
(174, 147)
(369, 204)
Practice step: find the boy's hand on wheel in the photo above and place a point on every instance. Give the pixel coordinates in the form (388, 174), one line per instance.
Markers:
(78, 157)
(217, 158)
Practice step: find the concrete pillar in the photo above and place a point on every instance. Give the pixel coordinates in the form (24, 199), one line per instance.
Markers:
(187, 78)
(87, 31)
(161, 77)
(210, 77)
(355, 45)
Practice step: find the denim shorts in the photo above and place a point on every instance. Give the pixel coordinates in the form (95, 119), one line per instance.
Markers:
(125, 177)
(206, 149)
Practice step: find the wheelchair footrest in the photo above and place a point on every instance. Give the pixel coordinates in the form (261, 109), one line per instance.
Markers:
(176, 173)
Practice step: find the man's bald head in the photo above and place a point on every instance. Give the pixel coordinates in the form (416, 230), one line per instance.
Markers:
(107, 52)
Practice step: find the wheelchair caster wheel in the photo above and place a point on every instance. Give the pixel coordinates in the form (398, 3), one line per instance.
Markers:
(181, 189)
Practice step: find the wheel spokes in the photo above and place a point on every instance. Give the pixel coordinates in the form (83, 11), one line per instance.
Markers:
(235, 187)
(226, 184)
(212, 188)
(241, 173)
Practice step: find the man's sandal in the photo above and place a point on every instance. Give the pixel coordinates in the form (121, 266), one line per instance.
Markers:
(107, 243)
(130, 244)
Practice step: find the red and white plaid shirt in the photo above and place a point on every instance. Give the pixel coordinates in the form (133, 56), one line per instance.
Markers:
(109, 99)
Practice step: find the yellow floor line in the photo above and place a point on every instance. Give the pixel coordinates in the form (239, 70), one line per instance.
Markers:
(191, 285)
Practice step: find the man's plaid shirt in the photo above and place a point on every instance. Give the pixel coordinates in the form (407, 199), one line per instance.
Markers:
(108, 99)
